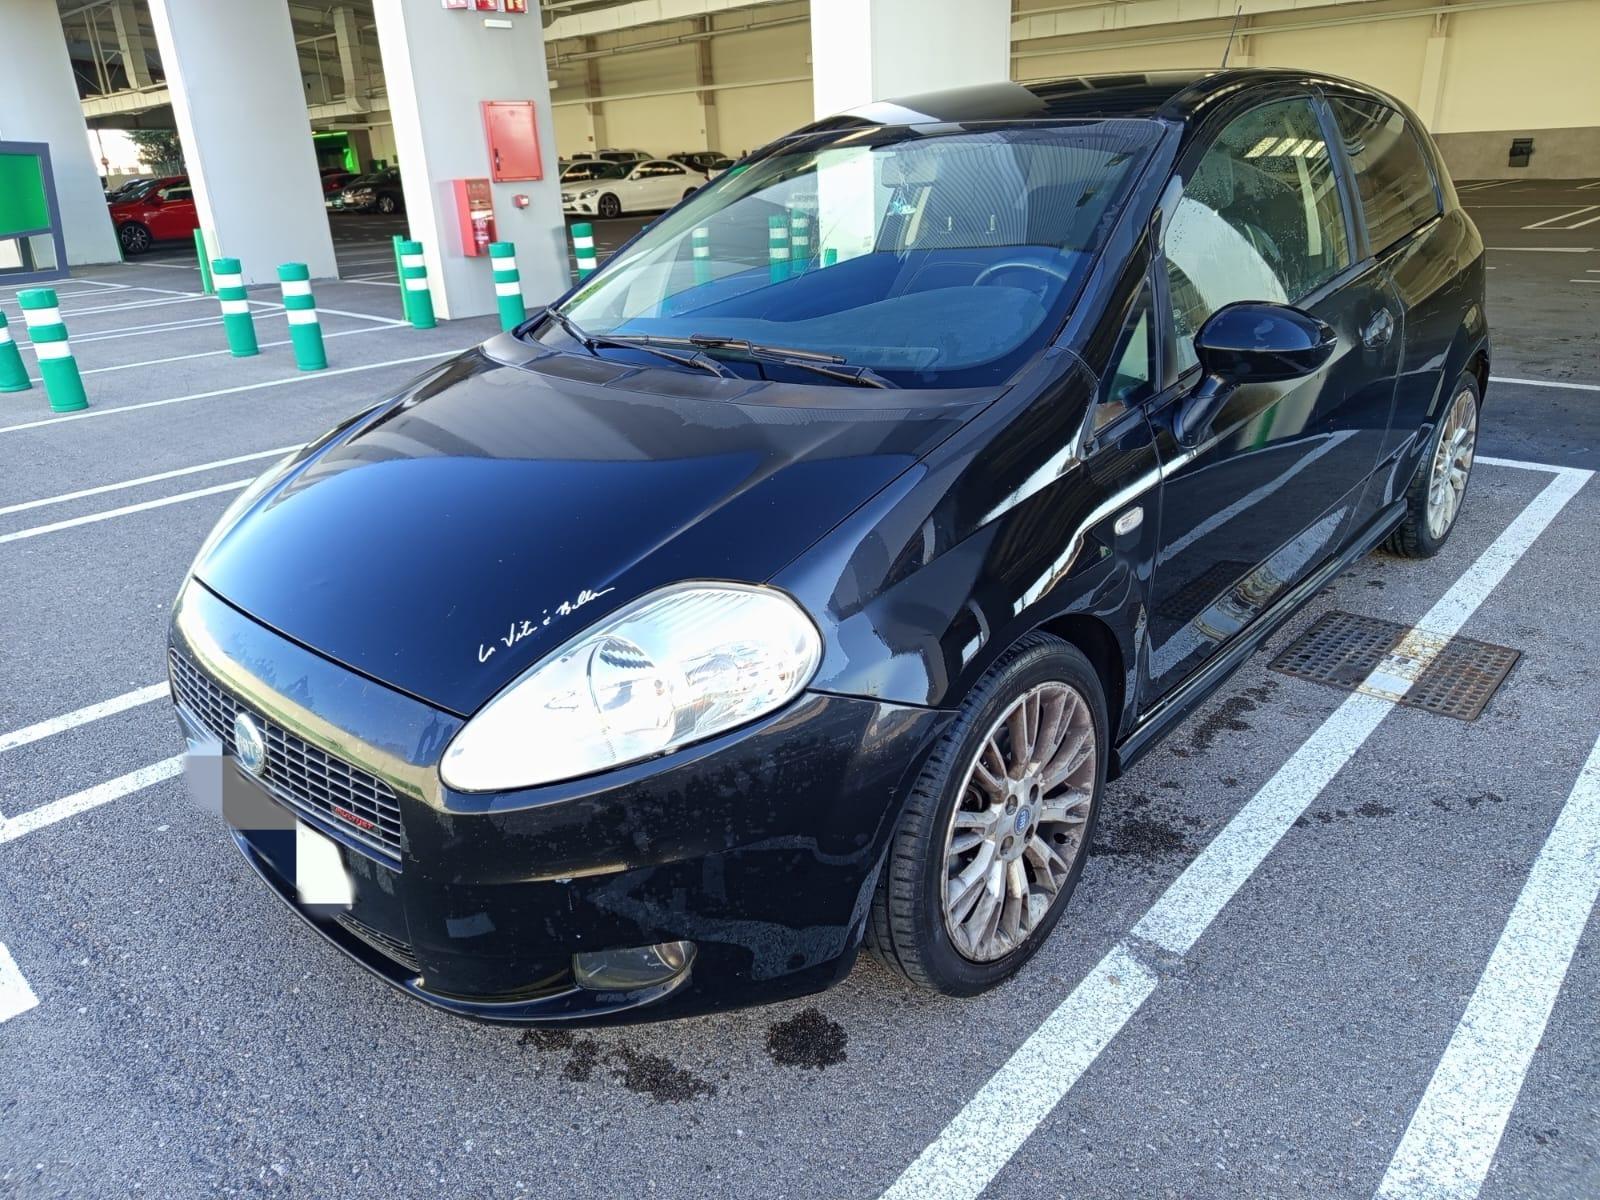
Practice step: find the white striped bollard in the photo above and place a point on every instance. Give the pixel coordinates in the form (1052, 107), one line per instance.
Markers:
(702, 255)
(583, 249)
(778, 247)
(13, 375)
(414, 275)
(305, 331)
(237, 323)
(59, 370)
(799, 241)
(507, 285)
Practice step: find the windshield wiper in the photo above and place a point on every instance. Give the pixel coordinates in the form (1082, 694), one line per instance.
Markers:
(834, 366)
(592, 341)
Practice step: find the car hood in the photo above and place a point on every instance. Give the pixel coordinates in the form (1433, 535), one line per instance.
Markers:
(454, 536)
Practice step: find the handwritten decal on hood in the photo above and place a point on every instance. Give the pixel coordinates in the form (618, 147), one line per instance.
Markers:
(523, 628)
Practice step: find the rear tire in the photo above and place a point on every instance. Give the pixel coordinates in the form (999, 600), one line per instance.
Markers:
(1439, 488)
(1012, 819)
(134, 237)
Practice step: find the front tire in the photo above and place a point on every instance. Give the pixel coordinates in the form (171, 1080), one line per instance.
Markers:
(997, 827)
(386, 205)
(1437, 491)
(134, 237)
(609, 207)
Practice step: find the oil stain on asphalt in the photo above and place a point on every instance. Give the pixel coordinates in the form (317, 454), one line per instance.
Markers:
(652, 1075)
(807, 1040)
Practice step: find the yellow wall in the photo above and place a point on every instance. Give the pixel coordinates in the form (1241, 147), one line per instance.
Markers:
(1523, 68)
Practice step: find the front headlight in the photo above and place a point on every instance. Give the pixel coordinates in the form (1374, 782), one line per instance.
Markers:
(676, 666)
(589, 195)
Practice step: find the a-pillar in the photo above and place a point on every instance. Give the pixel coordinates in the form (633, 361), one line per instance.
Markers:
(240, 106)
(39, 103)
(865, 50)
(439, 65)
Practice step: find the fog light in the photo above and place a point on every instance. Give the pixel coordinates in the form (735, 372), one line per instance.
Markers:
(634, 968)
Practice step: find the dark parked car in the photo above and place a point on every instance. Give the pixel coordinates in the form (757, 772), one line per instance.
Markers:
(702, 160)
(745, 606)
(379, 192)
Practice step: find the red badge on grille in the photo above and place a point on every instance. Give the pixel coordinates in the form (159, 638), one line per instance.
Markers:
(355, 819)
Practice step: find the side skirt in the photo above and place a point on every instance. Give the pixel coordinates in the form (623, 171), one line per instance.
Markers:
(1170, 712)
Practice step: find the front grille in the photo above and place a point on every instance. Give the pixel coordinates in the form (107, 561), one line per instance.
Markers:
(308, 779)
(390, 947)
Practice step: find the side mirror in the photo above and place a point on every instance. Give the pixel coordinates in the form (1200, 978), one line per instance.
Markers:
(1250, 342)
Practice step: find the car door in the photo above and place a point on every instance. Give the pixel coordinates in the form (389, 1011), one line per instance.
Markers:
(175, 216)
(670, 181)
(1268, 493)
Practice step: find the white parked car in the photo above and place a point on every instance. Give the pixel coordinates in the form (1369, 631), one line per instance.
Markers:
(649, 186)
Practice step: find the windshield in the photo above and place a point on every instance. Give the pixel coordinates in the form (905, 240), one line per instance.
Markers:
(936, 257)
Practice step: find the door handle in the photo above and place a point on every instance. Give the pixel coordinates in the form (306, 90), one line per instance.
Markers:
(1379, 331)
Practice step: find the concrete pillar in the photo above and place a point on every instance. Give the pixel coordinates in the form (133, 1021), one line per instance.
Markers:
(39, 103)
(865, 50)
(708, 99)
(595, 109)
(240, 107)
(438, 65)
(1431, 89)
(132, 43)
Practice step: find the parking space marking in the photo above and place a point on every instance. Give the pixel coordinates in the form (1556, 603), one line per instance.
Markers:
(1550, 222)
(1547, 383)
(104, 308)
(262, 312)
(16, 997)
(172, 358)
(175, 473)
(1547, 249)
(1451, 1141)
(125, 510)
(982, 1137)
(40, 730)
(305, 377)
(12, 828)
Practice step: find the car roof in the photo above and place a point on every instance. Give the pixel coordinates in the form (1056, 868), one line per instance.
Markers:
(1180, 95)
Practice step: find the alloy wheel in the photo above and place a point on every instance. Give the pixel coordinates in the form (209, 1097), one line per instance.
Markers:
(135, 239)
(1018, 827)
(1452, 463)
(610, 206)
(386, 204)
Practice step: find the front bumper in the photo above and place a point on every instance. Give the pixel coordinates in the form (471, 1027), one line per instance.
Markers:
(582, 208)
(761, 846)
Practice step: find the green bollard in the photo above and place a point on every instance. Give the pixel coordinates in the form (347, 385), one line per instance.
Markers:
(778, 247)
(830, 257)
(237, 323)
(414, 277)
(59, 370)
(702, 255)
(206, 285)
(507, 285)
(305, 331)
(799, 242)
(400, 277)
(13, 375)
(583, 249)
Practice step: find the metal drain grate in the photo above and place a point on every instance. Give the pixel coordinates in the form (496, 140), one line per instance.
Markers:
(1454, 677)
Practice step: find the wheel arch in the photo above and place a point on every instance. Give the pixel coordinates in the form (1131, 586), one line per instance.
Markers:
(1097, 642)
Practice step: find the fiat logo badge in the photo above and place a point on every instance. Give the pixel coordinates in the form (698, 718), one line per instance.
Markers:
(248, 746)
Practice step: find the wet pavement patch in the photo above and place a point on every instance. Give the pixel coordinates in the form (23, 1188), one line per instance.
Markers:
(648, 1074)
(807, 1040)
(1228, 716)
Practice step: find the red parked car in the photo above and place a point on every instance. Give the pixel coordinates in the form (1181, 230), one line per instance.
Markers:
(163, 210)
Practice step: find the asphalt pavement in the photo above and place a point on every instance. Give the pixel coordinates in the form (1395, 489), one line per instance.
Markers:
(1320, 949)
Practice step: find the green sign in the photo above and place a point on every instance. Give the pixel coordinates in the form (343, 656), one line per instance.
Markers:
(23, 208)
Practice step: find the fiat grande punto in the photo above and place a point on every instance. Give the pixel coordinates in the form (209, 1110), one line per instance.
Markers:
(797, 582)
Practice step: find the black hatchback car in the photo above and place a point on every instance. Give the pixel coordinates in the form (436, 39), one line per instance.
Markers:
(798, 580)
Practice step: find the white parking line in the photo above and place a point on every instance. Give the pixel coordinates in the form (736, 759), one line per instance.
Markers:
(125, 510)
(16, 996)
(1451, 1140)
(142, 480)
(263, 311)
(1550, 222)
(1547, 383)
(172, 358)
(373, 282)
(82, 716)
(989, 1129)
(1547, 249)
(304, 377)
(12, 828)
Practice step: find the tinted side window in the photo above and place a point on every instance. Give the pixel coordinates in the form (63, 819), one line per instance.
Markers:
(1131, 379)
(1392, 175)
(1260, 219)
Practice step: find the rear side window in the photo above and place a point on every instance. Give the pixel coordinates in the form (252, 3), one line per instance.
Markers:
(1392, 175)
